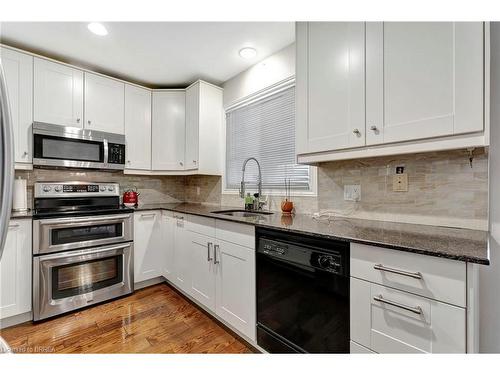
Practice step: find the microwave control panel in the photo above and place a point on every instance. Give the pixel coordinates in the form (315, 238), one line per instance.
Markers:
(116, 153)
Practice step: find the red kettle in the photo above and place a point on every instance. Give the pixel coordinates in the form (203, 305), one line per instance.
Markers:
(131, 198)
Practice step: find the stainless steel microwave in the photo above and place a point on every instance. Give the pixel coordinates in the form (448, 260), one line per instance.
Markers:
(64, 146)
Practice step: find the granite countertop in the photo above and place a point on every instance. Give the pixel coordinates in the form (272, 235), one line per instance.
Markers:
(454, 243)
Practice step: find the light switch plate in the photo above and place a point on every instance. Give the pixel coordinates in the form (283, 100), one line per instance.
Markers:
(400, 182)
(352, 193)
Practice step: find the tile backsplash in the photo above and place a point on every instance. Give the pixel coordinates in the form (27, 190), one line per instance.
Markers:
(153, 189)
(443, 188)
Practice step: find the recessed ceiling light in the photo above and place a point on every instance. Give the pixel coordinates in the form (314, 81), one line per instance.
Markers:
(97, 28)
(248, 52)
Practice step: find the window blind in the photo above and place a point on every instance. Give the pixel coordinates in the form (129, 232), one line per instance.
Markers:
(264, 129)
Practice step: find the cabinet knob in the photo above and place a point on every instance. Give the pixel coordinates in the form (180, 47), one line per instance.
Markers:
(181, 163)
(374, 128)
(357, 132)
(89, 122)
(25, 153)
(78, 120)
(194, 161)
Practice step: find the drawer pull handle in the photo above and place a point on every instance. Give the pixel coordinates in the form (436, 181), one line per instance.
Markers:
(415, 275)
(416, 310)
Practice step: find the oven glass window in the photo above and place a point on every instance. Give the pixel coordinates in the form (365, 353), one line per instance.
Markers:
(62, 236)
(49, 147)
(83, 277)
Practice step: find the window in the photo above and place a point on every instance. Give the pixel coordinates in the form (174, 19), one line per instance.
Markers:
(265, 129)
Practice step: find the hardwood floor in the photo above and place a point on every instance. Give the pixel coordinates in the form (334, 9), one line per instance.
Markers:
(152, 320)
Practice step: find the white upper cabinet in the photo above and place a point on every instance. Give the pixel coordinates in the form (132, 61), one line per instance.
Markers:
(330, 86)
(168, 130)
(104, 104)
(58, 94)
(18, 69)
(138, 127)
(423, 79)
(204, 121)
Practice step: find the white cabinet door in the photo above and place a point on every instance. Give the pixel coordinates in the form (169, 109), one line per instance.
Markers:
(388, 320)
(138, 127)
(201, 248)
(182, 266)
(104, 104)
(148, 247)
(330, 86)
(15, 270)
(192, 125)
(58, 94)
(235, 288)
(423, 79)
(18, 69)
(168, 130)
(168, 243)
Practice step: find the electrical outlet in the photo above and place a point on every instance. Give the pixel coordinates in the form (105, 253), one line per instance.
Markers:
(352, 193)
(400, 182)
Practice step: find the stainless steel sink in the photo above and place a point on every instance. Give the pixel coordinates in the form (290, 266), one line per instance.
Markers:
(243, 213)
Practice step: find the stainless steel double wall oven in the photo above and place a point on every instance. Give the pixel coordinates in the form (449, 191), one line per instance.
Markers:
(82, 246)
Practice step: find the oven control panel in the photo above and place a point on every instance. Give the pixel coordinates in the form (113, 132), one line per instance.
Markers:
(75, 189)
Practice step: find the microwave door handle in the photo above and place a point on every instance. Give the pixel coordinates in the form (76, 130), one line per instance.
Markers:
(106, 152)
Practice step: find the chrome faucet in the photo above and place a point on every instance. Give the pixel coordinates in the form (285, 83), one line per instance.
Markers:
(260, 202)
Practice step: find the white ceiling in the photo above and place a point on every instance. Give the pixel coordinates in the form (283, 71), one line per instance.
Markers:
(156, 54)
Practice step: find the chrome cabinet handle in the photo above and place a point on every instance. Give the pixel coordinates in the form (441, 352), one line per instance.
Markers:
(416, 310)
(374, 128)
(78, 120)
(194, 161)
(357, 132)
(15, 225)
(216, 247)
(89, 122)
(414, 275)
(209, 245)
(181, 163)
(148, 215)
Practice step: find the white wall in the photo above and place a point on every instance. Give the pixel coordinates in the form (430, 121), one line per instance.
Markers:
(489, 281)
(268, 72)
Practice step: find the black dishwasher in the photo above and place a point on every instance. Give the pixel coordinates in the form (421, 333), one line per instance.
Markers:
(302, 293)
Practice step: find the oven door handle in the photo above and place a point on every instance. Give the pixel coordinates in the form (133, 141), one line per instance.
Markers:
(82, 220)
(85, 252)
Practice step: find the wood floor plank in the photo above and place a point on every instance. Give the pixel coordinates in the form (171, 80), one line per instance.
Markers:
(152, 320)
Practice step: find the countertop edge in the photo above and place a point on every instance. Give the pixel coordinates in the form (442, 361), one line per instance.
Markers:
(464, 258)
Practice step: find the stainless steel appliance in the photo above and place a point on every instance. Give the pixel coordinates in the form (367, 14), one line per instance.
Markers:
(302, 293)
(6, 171)
(82, 246)
(64, 146)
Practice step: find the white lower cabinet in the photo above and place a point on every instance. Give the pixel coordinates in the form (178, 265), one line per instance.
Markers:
(148, 251)
(223, 271)
(182, 259)
(202, 289)
(15, 270)
(168, 243)
(235, 287)
(388, 320)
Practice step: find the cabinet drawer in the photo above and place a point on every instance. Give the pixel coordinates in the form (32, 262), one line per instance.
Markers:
(240, 234)
(393, 321)
(432, 277)
(201, 225)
